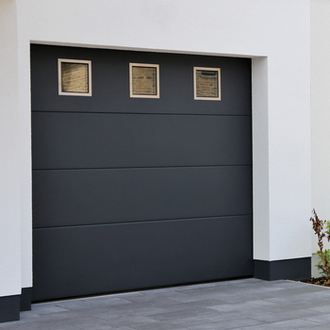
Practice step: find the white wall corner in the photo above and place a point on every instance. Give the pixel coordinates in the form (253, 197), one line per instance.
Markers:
(260, 158)
(320, 111)
(10, 226)
(24, 81)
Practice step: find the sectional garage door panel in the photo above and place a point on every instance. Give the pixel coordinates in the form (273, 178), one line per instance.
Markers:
(110, 75)
(112, 258)
(132, 193)
(85, 140)
(64, 198)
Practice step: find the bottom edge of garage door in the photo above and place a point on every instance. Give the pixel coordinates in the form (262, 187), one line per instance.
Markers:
(85, 260)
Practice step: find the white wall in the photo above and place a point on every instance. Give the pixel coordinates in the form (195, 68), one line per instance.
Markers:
(10, 239)
(24, 110)
(320, 106)
(275, 33)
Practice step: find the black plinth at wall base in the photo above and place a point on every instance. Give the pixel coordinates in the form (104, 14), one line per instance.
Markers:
(26, 297)
(9, 308)
(289, 269)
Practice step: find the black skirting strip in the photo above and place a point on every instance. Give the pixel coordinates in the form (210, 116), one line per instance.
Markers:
(26, 298)
(9, 308)
(289, 269)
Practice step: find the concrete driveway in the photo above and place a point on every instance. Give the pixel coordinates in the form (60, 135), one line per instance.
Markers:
(249, 304)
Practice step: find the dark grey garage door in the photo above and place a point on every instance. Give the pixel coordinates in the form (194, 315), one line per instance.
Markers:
(132, 193)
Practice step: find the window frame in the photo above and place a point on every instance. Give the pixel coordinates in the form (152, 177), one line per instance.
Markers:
(148, 96)
(89, 71)
(207, 98)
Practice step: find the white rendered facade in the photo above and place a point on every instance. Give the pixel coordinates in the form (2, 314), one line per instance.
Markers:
(274, 33)
(320, 106)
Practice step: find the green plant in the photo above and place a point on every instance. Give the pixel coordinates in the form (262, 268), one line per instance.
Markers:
(324, 254)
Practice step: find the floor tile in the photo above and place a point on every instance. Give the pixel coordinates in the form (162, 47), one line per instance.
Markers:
(247, 304)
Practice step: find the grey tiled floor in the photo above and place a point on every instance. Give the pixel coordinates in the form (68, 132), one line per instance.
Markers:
(249, 304)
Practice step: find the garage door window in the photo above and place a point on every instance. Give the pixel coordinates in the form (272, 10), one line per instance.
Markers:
(74, 77)
(207, 84)
(144, 80)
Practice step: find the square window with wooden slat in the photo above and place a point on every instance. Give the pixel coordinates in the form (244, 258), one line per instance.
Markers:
(207, 84)
(144, 80)
(75, 77)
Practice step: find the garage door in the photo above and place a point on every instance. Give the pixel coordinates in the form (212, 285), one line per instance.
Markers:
(141, 170)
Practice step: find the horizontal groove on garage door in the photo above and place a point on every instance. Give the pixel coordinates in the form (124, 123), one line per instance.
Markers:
(229, 217)
(146, 113)
(134, 168)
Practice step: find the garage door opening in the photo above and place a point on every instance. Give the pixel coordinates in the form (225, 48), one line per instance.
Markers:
(139, 192)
